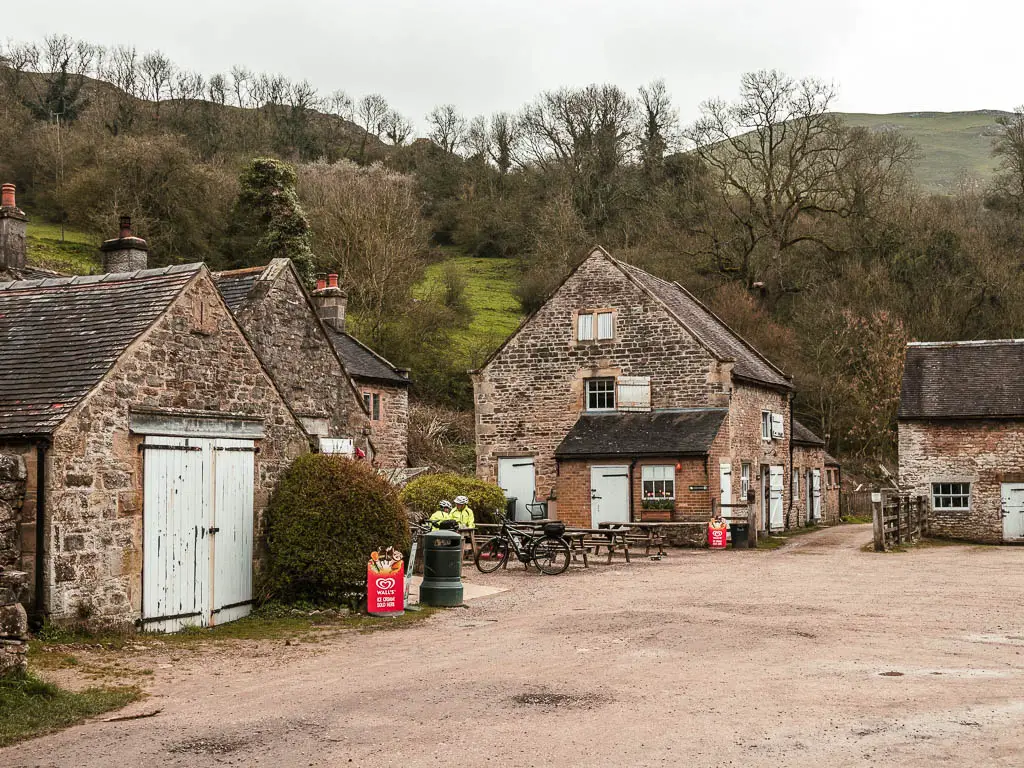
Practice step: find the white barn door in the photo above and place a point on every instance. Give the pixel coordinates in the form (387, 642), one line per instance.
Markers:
(609, 494)
(775, 492)
(176, 548)
(815, 494)
(232, 526)
(725, 484)
(517, 479)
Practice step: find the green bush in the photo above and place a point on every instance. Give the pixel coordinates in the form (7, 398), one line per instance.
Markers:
(325, 518)
(422, 495)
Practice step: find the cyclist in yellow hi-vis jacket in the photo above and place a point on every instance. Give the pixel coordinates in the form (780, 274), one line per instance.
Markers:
(463, 513)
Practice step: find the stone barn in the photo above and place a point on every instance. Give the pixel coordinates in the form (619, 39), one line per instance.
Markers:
(814, 478)
(961, 437)
(140, 439)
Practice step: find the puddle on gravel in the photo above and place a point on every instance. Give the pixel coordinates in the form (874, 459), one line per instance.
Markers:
(210, 745)
(551, 700)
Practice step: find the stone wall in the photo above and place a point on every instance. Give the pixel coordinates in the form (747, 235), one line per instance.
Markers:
(529, 396)
(982, 453)
(13, 477)
(806, 457)
(13, 624)
(285, 332)
(390, 433)
(193, 358)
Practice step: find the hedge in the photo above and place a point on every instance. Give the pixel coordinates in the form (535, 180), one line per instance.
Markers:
(421, 495)
(326, 516)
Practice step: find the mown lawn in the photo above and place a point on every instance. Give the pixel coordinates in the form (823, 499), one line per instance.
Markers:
(76, 254)
(31, 707)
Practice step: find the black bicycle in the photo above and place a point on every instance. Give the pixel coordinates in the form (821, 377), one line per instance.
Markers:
(548, 551)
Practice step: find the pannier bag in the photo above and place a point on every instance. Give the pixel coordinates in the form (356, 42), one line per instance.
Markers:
(555, 530)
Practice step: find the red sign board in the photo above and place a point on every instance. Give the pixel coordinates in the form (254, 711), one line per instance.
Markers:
(385, 584)
(717, 535)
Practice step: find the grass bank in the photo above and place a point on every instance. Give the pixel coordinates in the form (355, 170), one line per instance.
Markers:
(76, 253)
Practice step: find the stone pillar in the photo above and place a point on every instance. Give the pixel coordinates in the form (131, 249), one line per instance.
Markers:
(331, 302)
(13, 223)
(125, 253)
(13, 624)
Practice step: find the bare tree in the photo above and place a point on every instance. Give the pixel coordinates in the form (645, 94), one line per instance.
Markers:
(241, 87)
(660, 126)
(396, 128)
(217, 89)
(57, 70)
(447, 127)
(505, 135)
(1008, 148)
(370, 112)
(157, 72)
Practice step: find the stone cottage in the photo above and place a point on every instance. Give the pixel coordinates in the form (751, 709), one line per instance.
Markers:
(625, 398)
(815, 478)
(282, 324)
(961, 437)
(384, 388)
(144, 436)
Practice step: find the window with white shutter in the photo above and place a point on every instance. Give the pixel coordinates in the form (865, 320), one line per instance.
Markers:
(634, 393)
(777, 426)
(585, 327)
(766, 425)
(605, 326)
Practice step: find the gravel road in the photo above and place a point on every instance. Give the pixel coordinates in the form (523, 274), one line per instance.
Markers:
(816, 654)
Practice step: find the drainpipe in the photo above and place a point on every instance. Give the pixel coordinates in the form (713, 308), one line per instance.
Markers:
(790, 511)
(39, 609)
(632, 467)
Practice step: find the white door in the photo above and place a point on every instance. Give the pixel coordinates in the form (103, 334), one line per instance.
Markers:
(609, 494)
(725, 484)
(516, 477)
(232, 525)
(176, 547)
(814, 494)
(1013, 511)
(775, 498)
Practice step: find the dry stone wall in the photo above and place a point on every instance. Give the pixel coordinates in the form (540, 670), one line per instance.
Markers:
(13, 624)
(13, 476)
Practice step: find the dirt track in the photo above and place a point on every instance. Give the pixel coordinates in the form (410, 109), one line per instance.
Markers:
(703, 659)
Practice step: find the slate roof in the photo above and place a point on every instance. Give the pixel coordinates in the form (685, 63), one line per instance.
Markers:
(235, 286)
(656, 433)
(60, 336)
(709, 329)
(803, 436)
(963, 380)
(361, 362)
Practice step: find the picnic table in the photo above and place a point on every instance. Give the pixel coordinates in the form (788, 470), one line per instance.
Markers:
(649, 534)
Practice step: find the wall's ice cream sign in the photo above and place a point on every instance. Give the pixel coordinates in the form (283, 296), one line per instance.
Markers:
(385, 582)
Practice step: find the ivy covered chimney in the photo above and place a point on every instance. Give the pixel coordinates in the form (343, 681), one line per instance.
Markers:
(331, 302)
(13, 223)
(125, 253)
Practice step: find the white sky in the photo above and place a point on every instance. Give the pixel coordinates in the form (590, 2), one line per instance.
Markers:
(488, 55)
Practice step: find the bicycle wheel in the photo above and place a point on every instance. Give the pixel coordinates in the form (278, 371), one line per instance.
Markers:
(492, 555)
(551, 556)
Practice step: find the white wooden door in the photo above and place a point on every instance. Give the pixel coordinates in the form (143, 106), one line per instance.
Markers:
(775, 492)
(1013, 511)
(232, 526)
(814, 494)
(176, 547)
(725, 484)
(609, 494)
(516, 477)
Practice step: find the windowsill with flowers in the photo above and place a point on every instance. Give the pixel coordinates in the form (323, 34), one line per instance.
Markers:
(655, 502)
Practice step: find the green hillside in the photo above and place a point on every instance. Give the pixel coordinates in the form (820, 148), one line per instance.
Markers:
(950, 142)
(76, 254)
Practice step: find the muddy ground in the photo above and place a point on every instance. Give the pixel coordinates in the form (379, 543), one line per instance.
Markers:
(815, 654)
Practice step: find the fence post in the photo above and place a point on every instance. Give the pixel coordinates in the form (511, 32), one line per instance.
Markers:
(878, 518)
(923, 517)
(751, 526)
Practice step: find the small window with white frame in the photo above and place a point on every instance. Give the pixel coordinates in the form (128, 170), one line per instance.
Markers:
(766, 425)
(605, 326)
(744, 481)
(951, 496)
(585, 326)
(659, 482)
(595, 325)
(600, 394)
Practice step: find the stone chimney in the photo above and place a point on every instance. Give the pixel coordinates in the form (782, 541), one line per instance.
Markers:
(13, 222)
(331, 302)
(125, 253)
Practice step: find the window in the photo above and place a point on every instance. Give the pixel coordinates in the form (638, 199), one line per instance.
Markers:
(600, 394)
(585, 327)
(796, 483)
(744, 481)
(659, 482)
(595, 325)
(951, 496)
(372, 400)
(766, 425)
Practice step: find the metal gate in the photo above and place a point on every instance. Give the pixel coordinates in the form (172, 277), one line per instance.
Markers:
(197, 531)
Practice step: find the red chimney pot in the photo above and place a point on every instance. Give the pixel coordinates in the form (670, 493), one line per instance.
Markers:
(320, 283)
(7, 196)
(332, 281)
(126, 226)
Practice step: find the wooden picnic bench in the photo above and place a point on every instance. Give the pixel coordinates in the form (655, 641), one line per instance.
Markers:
(648, 535)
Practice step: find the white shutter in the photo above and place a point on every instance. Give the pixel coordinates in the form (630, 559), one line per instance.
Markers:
(343, 445)
(585, 327)
(634, 393)
(605, 328)
(777, 426)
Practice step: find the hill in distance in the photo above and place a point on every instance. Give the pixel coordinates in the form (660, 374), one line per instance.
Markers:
(951, 143)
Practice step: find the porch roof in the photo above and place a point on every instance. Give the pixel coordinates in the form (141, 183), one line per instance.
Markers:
(677, 432)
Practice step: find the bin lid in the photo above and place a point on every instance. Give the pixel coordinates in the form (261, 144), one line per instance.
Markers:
(438, 536)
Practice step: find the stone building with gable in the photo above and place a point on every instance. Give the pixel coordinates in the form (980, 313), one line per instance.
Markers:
(624, 398)
(814, 481)
(961, 437)
(140, 438)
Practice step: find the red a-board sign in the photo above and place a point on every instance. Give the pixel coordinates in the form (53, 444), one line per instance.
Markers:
(717, 535)
(385, 583)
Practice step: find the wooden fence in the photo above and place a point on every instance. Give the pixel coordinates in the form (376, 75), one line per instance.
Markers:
(856, 504)
(900, 520)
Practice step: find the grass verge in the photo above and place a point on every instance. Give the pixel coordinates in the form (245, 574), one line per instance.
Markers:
(31, 707)
(75, 254)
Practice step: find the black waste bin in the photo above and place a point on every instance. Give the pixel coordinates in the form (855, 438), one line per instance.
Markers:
(740, 535)
(510, 508)
(442, 569)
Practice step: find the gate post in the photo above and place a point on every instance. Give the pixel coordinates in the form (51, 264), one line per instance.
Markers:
(878, 518)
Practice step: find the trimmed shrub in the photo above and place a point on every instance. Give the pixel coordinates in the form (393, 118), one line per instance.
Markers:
(326, 516)
(421, 496)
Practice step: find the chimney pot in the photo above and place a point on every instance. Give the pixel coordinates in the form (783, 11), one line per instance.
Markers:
(126, 252)
(321, 283)
(332, 281)
(126, 226)
(7, 196)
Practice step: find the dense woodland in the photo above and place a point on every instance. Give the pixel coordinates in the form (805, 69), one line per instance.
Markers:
(807, 236)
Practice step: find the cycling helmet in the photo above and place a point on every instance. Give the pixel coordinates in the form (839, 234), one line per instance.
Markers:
(461, 500)
(445, 504)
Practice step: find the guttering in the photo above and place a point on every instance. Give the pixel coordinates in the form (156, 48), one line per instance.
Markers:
(790, 512)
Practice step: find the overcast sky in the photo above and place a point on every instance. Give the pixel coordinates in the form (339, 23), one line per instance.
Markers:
(489, 55)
